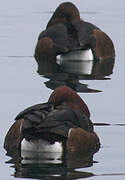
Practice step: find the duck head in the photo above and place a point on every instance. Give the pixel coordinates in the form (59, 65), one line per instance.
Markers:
(67, 96)
(64, 13)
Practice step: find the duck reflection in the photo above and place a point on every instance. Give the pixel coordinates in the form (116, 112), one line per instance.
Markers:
(71, 72)
(48, 166)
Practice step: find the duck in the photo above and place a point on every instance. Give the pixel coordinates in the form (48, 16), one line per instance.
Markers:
(67, 33)
(62, 124)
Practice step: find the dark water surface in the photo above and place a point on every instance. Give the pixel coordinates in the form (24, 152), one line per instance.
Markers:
(22, 86)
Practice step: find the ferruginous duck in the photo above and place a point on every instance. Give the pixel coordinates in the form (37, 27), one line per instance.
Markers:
(60, 125)
(66, 33)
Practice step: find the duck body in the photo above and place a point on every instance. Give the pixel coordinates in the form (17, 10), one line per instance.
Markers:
(69, 33)
(47, 127)
(51, 127)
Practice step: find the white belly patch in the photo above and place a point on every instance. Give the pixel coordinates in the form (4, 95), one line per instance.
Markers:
(83, 55)
(41, 146)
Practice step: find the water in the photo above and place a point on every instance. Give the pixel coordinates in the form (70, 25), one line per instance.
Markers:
(22, 86)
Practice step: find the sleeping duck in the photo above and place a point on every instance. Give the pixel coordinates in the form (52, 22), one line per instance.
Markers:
(66, 33)
(62, 124)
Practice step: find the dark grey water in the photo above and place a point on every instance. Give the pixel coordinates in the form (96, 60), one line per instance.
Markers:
(21, 86)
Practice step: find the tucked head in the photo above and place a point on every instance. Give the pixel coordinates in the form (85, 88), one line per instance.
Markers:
(65, 95)
(65, 12)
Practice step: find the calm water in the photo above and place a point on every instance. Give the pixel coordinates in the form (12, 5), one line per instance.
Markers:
(22, 86)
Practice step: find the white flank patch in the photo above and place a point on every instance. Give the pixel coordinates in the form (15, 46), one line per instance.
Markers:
(41, 146)
(69, 132)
